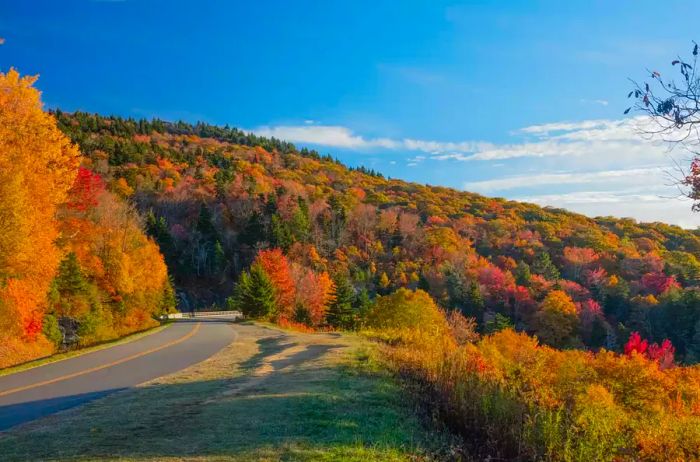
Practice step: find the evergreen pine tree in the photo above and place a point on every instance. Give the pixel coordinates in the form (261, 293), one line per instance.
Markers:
(340, 313)
(71, 293)
(474, 306)
(157, 227)
(498, 323)
(281, 234)
(254, 231)
(456, 289)
(599, 333)
(70, 279)
(205, 224)
(254, 294)
(300, 225)
(522, 274)
(219, 257)
(544, 267)
(362, 304)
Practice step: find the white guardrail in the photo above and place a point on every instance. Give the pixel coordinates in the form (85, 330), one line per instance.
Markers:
(205, 314)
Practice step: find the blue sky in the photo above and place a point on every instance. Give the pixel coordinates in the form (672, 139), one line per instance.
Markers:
(517, 99)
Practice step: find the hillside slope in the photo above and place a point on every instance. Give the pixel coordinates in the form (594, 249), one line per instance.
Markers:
(213, 197)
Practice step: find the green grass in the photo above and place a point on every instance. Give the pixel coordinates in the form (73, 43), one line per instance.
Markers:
(73, 353)
(270, 396)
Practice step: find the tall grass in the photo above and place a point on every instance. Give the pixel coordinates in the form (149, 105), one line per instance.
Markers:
(513, 399)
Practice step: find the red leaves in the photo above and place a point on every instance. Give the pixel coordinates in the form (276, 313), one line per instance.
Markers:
(580, 256)
(277, 268)
(85, 191)
(662, 354)
(636, 344)
(658, 283)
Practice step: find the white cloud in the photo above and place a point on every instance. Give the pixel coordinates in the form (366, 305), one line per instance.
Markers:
(601, 102)
(324, 135)
(343, 137)
(594, 197)
(638, 205)
(600, 138)
(639, 176)
(569, 126)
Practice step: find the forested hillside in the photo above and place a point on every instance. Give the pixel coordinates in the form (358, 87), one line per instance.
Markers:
(324, 240)
(75, 265)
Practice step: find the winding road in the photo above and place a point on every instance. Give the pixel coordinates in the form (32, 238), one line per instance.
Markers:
(53, 387)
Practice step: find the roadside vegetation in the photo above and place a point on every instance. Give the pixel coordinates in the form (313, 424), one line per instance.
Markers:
(76, 267)
(511, 398)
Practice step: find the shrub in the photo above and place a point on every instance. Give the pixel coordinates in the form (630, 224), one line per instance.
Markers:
(514, 399)
(407, 309)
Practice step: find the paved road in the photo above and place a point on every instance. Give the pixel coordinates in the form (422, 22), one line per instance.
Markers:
(54, 387)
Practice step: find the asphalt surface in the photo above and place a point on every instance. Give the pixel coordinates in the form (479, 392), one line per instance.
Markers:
(43, 390)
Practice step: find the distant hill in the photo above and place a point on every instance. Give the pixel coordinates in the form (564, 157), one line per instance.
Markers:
(212, 197)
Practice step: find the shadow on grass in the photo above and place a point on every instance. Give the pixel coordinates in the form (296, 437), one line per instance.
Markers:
(292, 415)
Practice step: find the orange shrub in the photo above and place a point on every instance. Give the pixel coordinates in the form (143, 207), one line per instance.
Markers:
(512, 398)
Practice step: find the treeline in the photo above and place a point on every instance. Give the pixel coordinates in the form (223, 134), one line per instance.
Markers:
(75, 265)
(213, 205)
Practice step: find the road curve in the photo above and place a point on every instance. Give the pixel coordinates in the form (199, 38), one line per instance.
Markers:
(37, 392)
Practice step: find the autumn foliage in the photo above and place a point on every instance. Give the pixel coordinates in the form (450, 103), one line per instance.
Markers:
(37, 167)
(512, 398)
(214, 198)
(298, 294)
(48, 208)
(565, 338)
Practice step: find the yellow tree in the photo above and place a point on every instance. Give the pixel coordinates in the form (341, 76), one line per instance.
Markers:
(37, 167)
(557, 321)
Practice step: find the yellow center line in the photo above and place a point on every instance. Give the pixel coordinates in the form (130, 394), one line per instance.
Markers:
(104, 366)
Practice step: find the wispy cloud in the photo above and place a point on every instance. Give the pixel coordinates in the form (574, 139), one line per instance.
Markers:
(641, 176)
(568, 139)
(639, 205)
(343, 137)
(600, 102)
(324, 135)
(594, 197)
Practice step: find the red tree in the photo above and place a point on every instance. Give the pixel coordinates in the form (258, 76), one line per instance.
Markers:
(636, 344)
(658, 283)
(85, 191)
(277, 268)
(662, 354)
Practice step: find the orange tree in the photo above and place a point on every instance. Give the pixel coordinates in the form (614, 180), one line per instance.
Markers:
(37, 167)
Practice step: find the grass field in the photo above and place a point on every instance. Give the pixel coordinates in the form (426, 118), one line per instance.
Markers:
(271, 395)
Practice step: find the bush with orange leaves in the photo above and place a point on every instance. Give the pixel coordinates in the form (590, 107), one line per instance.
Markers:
(514, 399)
